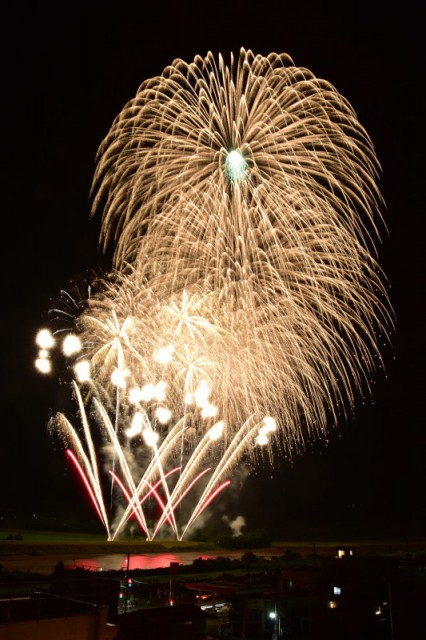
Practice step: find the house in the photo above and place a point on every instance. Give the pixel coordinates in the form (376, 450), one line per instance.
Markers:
(182, 622)
(47, 617)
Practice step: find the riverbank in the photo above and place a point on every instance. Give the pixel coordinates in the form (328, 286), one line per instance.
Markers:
(40, 552)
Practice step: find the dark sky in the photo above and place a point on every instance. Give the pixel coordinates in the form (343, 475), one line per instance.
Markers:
(66, 74)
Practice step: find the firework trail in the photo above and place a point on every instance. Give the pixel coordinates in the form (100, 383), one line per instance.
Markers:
(243, 204)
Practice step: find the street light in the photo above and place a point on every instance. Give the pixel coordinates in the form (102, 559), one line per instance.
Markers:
(273, 615)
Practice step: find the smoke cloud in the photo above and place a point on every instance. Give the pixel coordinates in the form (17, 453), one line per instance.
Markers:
(236, 525)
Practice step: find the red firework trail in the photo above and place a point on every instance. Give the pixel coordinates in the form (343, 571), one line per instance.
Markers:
(129, 499)
(212, 496)
(78, 466)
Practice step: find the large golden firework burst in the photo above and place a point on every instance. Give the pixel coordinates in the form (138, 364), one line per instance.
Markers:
(253, 183)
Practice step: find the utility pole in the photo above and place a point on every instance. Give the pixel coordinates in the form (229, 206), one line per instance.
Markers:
(277, 624)
(391, 627)
(127, 583)
(275, 632)
(174, 568)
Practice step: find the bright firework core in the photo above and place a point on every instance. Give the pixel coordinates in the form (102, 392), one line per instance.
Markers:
(235, 165)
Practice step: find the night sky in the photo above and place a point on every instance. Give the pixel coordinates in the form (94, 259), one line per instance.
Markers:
(65, 78)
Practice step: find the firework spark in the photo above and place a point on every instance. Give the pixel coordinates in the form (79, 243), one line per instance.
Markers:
(242, 199)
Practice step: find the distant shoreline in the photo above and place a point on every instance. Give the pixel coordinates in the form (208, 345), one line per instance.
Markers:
(41, 554)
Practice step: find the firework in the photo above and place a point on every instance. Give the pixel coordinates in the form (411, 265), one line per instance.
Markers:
(135, 443)
(254, 184)
(242, 199)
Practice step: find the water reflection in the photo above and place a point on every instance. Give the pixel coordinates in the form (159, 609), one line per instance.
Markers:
(141, 561)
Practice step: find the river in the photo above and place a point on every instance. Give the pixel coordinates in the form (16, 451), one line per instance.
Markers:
(45, 562)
